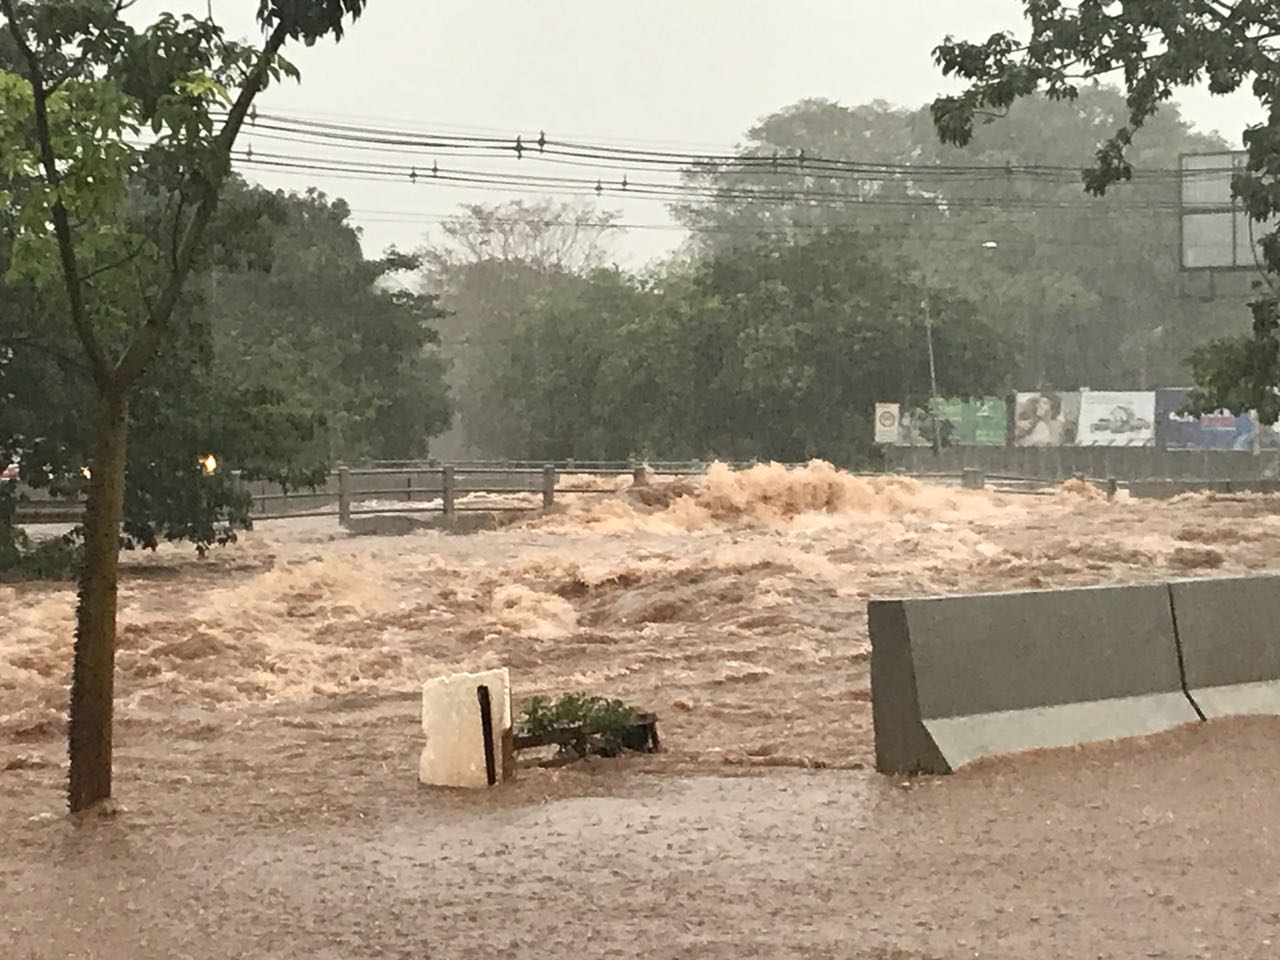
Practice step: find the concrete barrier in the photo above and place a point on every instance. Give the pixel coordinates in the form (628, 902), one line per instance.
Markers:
(1230, 635)
(1058, 463)
(467, 721)
(958, 678)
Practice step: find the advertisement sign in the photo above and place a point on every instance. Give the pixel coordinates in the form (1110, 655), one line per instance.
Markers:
(1222, 430)
(981, 422)
(1045, 419)
(915, 428)
(888, 427)
(1116, 419)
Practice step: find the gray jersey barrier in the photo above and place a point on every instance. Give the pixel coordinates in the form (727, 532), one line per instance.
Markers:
(1230, 635)
(954, 679)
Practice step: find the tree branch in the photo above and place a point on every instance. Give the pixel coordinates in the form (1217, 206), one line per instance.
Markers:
(39, 345)
(115, 264)
(98, 363)
(149, 340)
(177, 225)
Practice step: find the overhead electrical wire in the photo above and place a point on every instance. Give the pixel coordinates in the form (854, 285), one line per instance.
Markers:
(489, 161)
(419, 125)
(531, 146)
(671, 191)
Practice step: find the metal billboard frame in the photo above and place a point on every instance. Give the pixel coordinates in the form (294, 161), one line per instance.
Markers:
(1240, 260)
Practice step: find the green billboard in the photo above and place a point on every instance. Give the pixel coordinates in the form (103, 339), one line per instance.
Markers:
(982, 421)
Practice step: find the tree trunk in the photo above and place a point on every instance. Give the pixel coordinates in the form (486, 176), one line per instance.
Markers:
(93, 678)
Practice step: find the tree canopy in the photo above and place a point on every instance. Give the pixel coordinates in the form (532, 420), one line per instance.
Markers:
(1152, 48)
(488, 267)
(776, 348)
(292, 352)
(1063, 290)
(115, 146)
(1088, 289)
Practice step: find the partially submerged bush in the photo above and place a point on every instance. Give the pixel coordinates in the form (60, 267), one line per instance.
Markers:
(22, 558)
(603, 724)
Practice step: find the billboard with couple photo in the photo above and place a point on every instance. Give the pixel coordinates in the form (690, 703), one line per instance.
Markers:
(1045, 419)
(1089, 418)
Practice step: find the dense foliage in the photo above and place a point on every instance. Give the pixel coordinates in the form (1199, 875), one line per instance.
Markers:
(798, 304)
(489, 266)
(587, 724)
(292, 351)
(1088, 289)
(341, 336)
(771, 349)
(115, 147)
(1153, 48)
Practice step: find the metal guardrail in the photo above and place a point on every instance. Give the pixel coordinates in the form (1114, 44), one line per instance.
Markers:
(452, 482)
(543, 482)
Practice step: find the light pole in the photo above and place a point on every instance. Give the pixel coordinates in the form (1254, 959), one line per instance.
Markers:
(933, 376)
(933, 367)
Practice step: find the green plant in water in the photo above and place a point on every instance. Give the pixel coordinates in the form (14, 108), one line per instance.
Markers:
(22, 558)
(602, 723)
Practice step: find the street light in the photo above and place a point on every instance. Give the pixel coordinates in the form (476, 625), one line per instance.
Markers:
(933, 377)
(933, 369)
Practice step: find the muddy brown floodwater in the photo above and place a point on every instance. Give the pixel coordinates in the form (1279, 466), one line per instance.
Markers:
(267, 744)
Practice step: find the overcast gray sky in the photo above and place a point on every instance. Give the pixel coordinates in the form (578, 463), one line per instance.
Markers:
(687, 74)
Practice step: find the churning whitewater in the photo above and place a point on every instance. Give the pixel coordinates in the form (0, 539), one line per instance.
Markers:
(734, 604)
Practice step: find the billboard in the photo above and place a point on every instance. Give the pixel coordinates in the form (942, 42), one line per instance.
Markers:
(1222, 430)
(888, 427)
(1217, 232)
(1116, 419)
(1045, 419)
(979, 422)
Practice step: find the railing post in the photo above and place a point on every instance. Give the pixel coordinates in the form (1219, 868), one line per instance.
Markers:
(447, 488)
(344, 496)
(241, 487)
(1112, 488)
(548, 486)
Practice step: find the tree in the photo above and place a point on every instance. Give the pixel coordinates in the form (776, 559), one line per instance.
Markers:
(88, 86)
(810, 333)
(545, 234)
(291, 351)
(775, 349)
(1061, 275)
(1155, 47)
(336, 333)
(187, 405)
(487, 267)
(570, 374)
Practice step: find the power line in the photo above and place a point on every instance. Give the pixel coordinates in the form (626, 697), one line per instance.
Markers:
(526, 145)
(437, 126)
(647, 189)
(489, 160)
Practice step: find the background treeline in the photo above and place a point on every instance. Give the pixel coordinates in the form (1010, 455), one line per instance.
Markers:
(770, 334)
(293, 350)
(781, 323)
